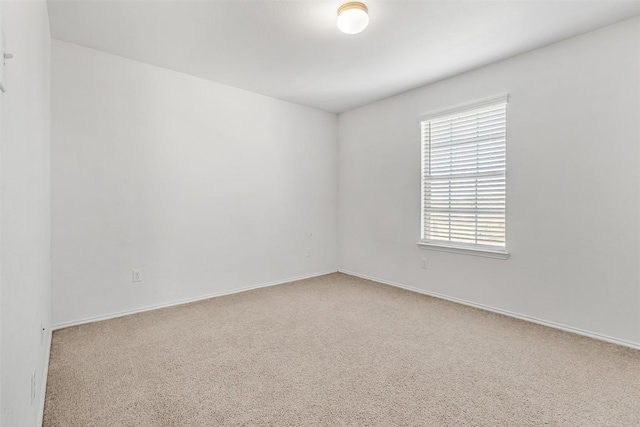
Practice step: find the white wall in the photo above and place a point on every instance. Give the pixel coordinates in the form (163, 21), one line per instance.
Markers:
(205, 187)
(25, 255)
(573, 211)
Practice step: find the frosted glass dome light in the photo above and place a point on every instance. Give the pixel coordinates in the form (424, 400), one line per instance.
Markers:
(353, 17)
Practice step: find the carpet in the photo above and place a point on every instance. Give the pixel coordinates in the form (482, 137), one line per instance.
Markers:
(335, 350)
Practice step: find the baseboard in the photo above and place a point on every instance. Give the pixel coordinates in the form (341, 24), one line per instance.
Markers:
(43, 387)
(186, 301)
(500, 311)
(362, 276)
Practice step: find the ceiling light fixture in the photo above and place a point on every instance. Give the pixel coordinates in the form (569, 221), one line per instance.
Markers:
(353, 17)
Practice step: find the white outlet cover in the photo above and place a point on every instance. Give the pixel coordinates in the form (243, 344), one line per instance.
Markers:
(33, 386)
(136, 275)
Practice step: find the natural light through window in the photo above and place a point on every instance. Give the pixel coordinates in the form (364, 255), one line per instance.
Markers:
(464, 177)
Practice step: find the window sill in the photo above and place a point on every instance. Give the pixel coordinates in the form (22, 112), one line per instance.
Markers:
(488, 253)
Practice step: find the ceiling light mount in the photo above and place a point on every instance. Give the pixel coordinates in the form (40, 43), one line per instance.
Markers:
(353, 17)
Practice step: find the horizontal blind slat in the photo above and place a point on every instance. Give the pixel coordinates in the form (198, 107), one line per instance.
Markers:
(478, 129)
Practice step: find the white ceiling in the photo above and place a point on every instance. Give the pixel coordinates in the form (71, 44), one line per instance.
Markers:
(292, 49)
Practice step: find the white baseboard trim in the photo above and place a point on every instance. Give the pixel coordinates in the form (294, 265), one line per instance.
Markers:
(43, 387)
(500, 311)
(186, 301)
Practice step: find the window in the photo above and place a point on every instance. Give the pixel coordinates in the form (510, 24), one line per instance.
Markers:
(464, 179)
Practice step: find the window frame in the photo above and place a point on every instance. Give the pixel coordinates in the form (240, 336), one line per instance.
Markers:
(447, 246)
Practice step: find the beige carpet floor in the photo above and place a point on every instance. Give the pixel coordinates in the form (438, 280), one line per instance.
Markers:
(335, 351)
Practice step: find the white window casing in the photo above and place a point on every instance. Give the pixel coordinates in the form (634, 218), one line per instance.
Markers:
(464, 179)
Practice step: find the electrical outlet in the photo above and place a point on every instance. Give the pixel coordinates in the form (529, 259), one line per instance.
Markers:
(33, 386)
(308, 252)
(136, 275)
(424, 263)
(41, 334)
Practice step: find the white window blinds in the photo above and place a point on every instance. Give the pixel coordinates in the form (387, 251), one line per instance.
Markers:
(464, 177)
